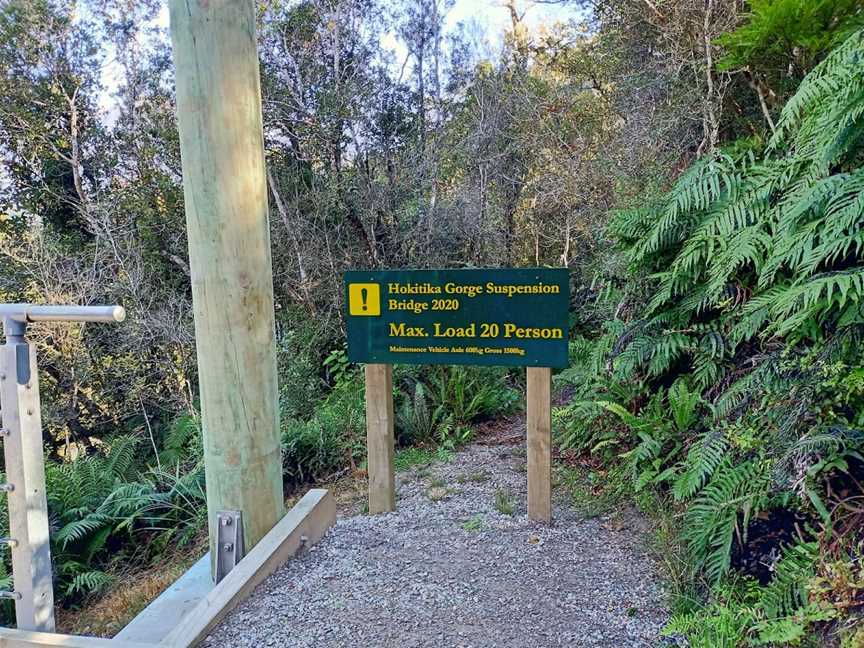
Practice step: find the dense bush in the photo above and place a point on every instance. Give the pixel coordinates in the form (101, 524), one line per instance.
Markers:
(333, 438)
(733, 386)
(439, 403)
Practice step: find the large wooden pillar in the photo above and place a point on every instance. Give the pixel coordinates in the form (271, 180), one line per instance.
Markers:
(224, 185)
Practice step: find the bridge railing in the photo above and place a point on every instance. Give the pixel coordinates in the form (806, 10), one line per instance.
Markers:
(21, 434)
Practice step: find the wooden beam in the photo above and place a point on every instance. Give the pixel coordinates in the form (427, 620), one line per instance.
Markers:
(379, 438)
(303, 525)
(539, 443)
(158, 619)
(10, 638)
(225, 191)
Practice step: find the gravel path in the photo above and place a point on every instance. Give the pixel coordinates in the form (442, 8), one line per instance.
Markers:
(449, 569)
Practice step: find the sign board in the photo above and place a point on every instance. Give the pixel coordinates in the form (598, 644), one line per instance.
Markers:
(511, 317)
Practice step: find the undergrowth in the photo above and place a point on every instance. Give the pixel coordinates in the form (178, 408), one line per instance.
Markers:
(721, 378)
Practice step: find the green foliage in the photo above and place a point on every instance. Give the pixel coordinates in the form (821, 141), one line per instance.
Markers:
(785, 38)
(81, 581)
(301, 370)
(725, 505)
(407, 458)
(338, 367)
(99, 502)
(762, 245)
(469, 394)
(703, 458)
(168, 503)
(582, 423)
(723, 623)
(731, 388)
(474, 524)
(743, 613)
(504, 503)
(330, 439)
(77, 495)
(182, 441)
(417, 421)
(659, 429)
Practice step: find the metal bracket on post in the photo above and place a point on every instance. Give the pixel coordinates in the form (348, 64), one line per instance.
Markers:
(229, 542)
(21, 434)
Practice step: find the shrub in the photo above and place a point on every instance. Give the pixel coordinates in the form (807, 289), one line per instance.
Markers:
(299, 358)
(330, 440)
(417, 420)
(469, 394)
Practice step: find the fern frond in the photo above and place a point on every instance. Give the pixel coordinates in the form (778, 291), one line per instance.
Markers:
(77, 529)
(712, 518)
(703, 459)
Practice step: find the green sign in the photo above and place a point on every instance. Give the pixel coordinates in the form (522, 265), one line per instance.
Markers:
(478, 317)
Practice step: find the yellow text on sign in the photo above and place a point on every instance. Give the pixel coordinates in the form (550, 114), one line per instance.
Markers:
(364, 299)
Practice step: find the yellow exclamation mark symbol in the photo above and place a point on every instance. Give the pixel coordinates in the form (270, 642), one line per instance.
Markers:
(364, 299)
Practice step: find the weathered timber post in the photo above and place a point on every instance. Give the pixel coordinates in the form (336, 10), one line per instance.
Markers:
(224, 186)
(379, 438)
(539, 440)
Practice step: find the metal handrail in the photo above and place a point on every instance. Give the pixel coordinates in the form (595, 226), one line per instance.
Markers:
(36, 313)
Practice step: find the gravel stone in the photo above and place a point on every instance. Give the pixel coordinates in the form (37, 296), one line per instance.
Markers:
(450, 570)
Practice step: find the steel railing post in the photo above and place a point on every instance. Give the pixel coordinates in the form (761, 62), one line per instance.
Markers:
(25, 474)
(21, 435)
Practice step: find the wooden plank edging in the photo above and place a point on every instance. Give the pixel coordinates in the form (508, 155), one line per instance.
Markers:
(304, 524)
(158, 619)
(12, 638)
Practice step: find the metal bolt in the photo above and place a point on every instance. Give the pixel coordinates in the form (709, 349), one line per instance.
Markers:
(29, 411)
(10, 542)
(7, 488)
(228, 546)
(15, 596)
(227, 521)
(5, 432)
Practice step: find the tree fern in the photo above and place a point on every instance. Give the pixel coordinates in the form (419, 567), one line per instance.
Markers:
(772, 242)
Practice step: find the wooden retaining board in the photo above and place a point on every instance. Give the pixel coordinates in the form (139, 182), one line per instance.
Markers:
(304, 525)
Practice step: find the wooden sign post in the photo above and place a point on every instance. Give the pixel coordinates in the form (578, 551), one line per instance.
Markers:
(539, 442)
(379, 438)
(505, 317)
